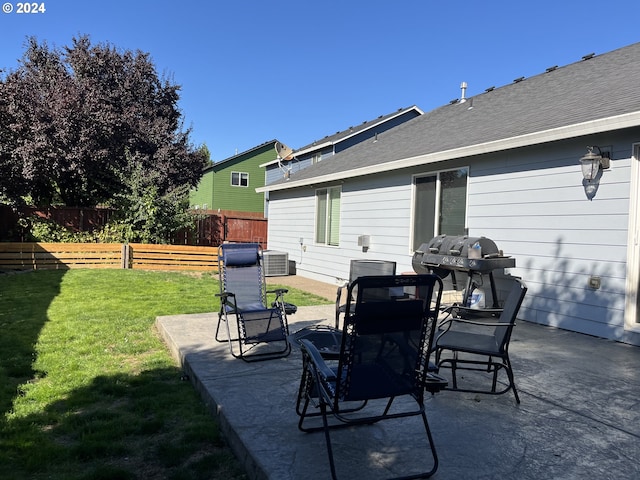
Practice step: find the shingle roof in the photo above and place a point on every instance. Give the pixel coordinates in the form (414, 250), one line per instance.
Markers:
(338, 137)
(353, 130)
(238, 155)
(563, 102)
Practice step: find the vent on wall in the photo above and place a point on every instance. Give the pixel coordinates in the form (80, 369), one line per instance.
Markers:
(275, 263)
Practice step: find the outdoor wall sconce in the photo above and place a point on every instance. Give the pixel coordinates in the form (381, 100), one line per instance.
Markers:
(592, 163)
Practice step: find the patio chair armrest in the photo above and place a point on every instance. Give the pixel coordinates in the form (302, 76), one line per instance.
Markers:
(479, 323)
(454, 306)
(279, 291)
(316, 359)
(224, 295)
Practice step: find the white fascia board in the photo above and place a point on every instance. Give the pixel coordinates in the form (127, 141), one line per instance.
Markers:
(299, 152)
(272, 162)
(586, 128)
(319, 146)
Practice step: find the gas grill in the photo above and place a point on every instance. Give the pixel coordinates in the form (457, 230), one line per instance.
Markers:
(447, 255)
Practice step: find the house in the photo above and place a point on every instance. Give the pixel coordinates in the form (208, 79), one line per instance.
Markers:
(230, 184)
(336, 143)
(504, 164)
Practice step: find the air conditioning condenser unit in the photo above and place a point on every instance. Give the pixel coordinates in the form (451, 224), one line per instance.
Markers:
(275, 263)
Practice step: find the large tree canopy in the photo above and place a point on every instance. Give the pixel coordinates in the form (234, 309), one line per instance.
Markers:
(73, 120)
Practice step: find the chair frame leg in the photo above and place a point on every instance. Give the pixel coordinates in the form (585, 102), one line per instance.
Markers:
(492, 366)
(326, 410)
(223, 317)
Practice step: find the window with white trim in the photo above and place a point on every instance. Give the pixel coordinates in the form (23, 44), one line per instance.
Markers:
(440, 205)
(239, 179)
(328, 216)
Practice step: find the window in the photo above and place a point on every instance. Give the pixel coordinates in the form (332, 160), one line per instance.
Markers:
(328, 216)
(440, 205)
(239, 179)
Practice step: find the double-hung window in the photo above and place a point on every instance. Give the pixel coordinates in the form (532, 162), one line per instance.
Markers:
(239, 179)
(328, 216)
(440, 205)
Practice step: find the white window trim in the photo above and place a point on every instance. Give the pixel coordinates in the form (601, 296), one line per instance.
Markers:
(436, 225)
(315, 223)
(240, 176)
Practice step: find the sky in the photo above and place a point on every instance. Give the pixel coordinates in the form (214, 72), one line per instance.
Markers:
(252, 71)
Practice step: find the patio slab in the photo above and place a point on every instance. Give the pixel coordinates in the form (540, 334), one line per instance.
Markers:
(579, 416)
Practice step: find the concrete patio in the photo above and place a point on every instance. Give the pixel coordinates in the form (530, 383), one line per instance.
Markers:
(579, 417)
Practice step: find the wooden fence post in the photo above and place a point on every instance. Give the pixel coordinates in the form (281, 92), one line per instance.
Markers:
(126, 255)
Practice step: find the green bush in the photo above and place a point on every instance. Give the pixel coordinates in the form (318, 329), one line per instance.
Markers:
(45, 230)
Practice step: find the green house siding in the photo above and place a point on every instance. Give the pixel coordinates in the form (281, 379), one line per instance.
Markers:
(202, 196)
(216, 190)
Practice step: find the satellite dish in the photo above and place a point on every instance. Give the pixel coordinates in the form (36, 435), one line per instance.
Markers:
(283, 152)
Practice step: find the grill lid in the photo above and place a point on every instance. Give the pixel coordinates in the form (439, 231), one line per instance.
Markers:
(447, 252)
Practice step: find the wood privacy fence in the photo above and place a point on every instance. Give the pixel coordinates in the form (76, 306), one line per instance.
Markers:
(212, 228)
(40, 256)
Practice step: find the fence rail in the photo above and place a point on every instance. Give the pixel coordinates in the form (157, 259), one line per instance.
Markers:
(173, 257)
(41, 256)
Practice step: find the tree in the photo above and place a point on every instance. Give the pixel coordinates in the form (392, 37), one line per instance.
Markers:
(146, 215)
(73, 120)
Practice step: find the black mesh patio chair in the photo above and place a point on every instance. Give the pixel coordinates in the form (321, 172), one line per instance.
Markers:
(384, 354)
(357, 269)
(326, 338)
(481, 345)
(260, 331)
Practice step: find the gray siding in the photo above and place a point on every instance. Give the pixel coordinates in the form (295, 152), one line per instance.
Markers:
(533, 205)
(529, 201)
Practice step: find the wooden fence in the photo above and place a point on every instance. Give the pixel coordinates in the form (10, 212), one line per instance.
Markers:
(41, 256)
(212, 228)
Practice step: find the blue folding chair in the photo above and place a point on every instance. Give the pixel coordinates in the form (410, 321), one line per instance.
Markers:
(261, 331)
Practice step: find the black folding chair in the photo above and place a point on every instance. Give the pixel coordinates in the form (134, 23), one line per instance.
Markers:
(481, 346)
(357, 269)
(261, 331)
(384, 355)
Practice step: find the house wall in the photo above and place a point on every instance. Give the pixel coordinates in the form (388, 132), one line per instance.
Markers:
(377, 206)
(202, 196)
(216, 190)
(274, 172)
(531, 202)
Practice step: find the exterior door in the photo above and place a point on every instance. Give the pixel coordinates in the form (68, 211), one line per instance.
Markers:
(632, 307)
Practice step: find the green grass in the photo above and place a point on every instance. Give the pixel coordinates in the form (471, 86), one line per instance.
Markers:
(87, 388)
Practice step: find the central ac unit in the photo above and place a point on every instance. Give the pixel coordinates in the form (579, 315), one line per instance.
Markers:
(275, 263)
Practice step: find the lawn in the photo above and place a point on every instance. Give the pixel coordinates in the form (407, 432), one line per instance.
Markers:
(87, 388)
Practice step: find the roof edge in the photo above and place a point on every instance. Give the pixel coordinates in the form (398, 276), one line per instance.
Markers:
(562, 133)
(374, 123)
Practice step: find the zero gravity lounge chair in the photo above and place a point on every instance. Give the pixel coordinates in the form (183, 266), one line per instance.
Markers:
(383, 357)
(357, 269)
(327, 339)
(260, 331)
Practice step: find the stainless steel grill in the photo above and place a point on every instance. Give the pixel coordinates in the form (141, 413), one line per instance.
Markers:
(445, 255)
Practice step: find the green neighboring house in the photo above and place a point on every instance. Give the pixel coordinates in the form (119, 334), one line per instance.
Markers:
(231, 184)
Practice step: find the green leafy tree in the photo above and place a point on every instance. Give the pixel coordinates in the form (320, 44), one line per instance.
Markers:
(144, 213)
